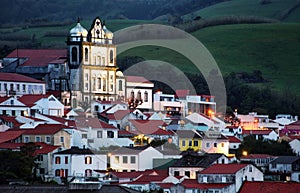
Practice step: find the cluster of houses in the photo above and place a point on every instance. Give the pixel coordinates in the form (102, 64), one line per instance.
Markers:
(110, 128)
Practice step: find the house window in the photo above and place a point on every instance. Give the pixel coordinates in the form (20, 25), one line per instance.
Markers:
(207, 144)
(26, 139)
(86, 86)
(222, 144)
(250, 168)
(110, 134)
(125, 159)
(104, 84)
(74, 54)
(88, 160)
(187, 173)
(86, 76)
(120, 85)
(196, 143)
(84, 136)
(11, 87)
(99, 83)
(66, 173)
(37, 139)
(48, 139)
(88, 172)
(62, 139)
(5, 86)
(146, 96)
(86, 54)
(132, 159)
(111, 56)
(66, 160)
(24, 88)
(215, 144)
(176, 173)
(99, 134)
(205, 179)
(183, 143)
(57, 160)
(223, 179)
(190, 143)
(57, 172)
(18, 87)
(117, 159)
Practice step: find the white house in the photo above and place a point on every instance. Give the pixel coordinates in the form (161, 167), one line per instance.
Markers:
(138, 87)
(43, 104)
(12, 84)
(215, 142)
(12, 106)
(133, 159)
(166, 103)
(295, 144)
(100, 134)
(76, 162)
(230, 173)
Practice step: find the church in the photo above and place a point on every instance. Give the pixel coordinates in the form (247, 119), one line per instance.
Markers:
(85, 71)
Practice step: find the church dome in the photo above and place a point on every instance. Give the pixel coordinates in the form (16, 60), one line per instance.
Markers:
(108, 34)
(78, 30)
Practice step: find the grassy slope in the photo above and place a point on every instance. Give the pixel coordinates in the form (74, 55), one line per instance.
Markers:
(272, 48)
(248, 7)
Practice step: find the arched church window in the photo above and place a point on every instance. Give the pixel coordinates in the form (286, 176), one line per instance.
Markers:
(111, 56)
(120, 85)
(74, 54)
(86, 54)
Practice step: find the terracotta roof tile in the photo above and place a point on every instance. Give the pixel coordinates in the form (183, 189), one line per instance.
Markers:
(270, 187)
(146, 126)
(257, 156)
(94, 123)
(30, 99)
(13, 77)
(38, 57)
(45, 129)
(9, 135)
(137, 79)
(233, 139)
(223, 169)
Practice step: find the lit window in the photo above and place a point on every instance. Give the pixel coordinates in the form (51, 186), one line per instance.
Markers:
(57, 160)
(117, 159)
(88, 160)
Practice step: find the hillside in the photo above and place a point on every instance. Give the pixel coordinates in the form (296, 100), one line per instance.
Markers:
(273, 49)
(45, 11)
(283, 10)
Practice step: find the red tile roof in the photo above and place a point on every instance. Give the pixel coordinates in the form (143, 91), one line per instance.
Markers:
(151, 176)
(38, 57)
(257, 132)
(120, 114)
(131, 175)
(233, 139)
(257, 156)
(94, 123)
(13, 77)
(70, 123)
(137, 79)
(9, 135)
(270, 187)
(10, 119)
(146, 126)
(30, 99)
(193, 184)
(162, 132)
(2, 99)
(44, 148)
(182, 93)
(45, 129)
(223, 169)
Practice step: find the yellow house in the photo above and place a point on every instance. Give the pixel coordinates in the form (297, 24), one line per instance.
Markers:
(53, 134)
(189, 139)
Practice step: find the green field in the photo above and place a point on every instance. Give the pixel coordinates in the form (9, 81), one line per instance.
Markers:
(274, 10)
(274, 49)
